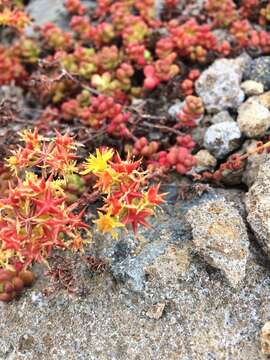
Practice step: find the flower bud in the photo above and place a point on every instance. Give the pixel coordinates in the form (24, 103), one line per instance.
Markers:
(27, 277)
(9, 288)
(18, 283)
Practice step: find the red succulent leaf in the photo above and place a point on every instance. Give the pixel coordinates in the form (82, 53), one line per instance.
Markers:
(154, 197)
(136, 217)
(49, 204)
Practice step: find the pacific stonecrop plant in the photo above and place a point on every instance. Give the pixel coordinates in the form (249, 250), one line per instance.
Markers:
(123, 51)
(106, 79)
(35, 217)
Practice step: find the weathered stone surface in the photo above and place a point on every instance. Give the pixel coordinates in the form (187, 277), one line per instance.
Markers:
(169, 266)
(253, 162)
(220, 236)
(222, 138)
(132, 269)
(260, 71)
(54, 11)
(155, 311)
(203, 319)
(253, 118)
(194, 315)
(222, 116)
(258, 207)
(265, 338)
(233, 177)
(205, 161)
(264, 99)
(198, 135)
(44, 11)
(251, 87)
(219, 86)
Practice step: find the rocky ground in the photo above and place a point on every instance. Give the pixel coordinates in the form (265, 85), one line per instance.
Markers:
(196, 285)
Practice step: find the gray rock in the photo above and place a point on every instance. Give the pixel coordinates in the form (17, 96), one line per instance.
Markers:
(192, 314)
(158, 7)
(131, 260)
(222, 116)
(44, 11)
(233, 177)
(253, 162)
(243, 62)
(54, 11)
(253, 118)
(260, 71)
(265, 338)
(220, 236)
(223, 35)
(198, 134)
(258, 207)
(132, 269)
(252, 87)
(170, 266)
(205, 161)
(222, 138)
(156, 311)
(219, 85)
(203, 319)
(264, 99)
(192, 9)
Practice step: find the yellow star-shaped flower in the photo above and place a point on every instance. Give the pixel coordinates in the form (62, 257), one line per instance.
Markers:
(107, 223)
(98, 163)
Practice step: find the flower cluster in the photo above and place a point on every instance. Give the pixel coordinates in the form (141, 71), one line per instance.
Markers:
(127, 201)
(144, 148)
(14, 18)
(75, 7)
(34, 216)
(161, 70)
(55, 38)
(37, 213)
(55, 157)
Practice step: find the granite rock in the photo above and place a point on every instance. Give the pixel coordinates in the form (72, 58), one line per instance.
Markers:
(253, 162)
(222, 138)
(265, 338)
(44, 11)
(258, 207)
(205, 161)
(219, 85)
(222, 116)
(251, 87)
(253, 118)
(220, 236)
(260, 71)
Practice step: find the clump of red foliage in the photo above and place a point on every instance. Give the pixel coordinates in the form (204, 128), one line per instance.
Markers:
(34, 216)
(125, 51)
(106, 79)
(38, 214)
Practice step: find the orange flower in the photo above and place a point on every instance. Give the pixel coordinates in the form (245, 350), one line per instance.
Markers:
(107, 223)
